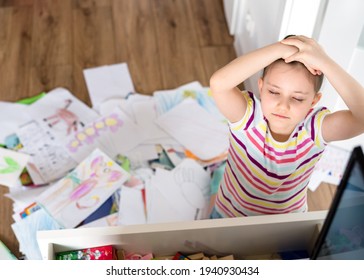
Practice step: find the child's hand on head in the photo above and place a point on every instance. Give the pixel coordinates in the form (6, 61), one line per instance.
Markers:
(309, 53)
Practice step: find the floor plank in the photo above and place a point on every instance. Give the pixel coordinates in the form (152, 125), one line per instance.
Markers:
(178, 44)
(210, 23)
(136, 43)
(15, 54)
(214, 57)
(94, 43)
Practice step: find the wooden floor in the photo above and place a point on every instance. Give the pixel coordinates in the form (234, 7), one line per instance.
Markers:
(47, 43)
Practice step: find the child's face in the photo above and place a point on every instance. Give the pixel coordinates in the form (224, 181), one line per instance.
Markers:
(287, 94)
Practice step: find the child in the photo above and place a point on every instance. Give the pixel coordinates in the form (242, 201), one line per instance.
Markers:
(276, 141)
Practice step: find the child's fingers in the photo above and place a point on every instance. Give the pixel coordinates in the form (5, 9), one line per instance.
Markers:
(297, 57)
(294, 41)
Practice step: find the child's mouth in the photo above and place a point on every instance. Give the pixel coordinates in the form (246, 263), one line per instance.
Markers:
(280, 116)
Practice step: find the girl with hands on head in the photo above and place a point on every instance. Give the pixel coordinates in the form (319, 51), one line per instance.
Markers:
(275, 141)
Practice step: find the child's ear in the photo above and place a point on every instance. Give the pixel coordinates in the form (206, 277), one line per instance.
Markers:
(260, 84)
(316, 99)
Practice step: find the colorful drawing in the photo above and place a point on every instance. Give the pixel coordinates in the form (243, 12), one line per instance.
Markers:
(66, 116)
(82, 191)
(91, 132)
(11, 165)
(49, 159)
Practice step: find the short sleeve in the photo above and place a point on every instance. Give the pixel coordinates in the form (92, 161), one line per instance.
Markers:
(248, 117)
(313, 125)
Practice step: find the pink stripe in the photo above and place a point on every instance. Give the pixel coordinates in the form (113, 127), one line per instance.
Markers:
(289, 160)
(242, 202)
(250, 177)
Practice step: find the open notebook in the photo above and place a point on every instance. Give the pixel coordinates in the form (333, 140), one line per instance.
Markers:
(342, 234)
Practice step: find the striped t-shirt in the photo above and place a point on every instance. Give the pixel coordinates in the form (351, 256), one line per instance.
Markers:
(263, 176)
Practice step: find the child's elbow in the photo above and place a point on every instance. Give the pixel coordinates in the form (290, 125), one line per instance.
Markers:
(216, 83)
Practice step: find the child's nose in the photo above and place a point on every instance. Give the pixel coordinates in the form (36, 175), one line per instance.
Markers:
(283, 104)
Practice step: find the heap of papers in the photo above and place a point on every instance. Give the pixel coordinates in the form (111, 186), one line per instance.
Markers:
(129, 159)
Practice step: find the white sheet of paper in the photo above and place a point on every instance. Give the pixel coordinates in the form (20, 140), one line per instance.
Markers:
(128, 136)
(190, 183)
(11, 165)
(196, 129)
(73, 198)
(141, 154)
(166, 99)
(330, 167)
(127, 104)
(145, 116)
(184, 190)
(195, 85)
(26, 232)
(61, 113)
(12, 115)
(109, 105)
(131, 207)
(159, 209)
(106, 82)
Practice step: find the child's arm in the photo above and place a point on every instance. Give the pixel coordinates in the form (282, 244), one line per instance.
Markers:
(343, 124)
(224, 82)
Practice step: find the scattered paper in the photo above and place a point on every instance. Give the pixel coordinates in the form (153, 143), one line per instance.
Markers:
(184, 190)
(11, 165)
(106, 82)
(132, 209)
(61, 113)
(72, 199)
(49, 159)
(114, 133)
(330, 168)
(26, 232)
(196, 129)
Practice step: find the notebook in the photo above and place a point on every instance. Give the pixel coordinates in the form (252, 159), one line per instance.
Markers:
(342, 234)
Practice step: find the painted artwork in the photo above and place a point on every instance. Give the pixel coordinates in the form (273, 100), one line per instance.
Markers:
(11, 165)
(49, 159)
(65, 116)
(61, 113)
(72, 199)
(114, 133)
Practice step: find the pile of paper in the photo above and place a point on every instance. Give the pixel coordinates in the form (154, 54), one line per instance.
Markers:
(130, 159)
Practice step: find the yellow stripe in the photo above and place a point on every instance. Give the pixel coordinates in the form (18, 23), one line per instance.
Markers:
(318, 125)
(258, 173)
(266, 204)
(249, 107)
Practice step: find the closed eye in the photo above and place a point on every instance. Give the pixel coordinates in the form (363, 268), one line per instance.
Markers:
(298, 99)
(273, 92)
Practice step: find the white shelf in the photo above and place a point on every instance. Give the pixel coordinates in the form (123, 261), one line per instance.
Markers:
(238, 236)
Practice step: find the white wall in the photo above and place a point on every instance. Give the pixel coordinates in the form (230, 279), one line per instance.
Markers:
(258, 23)
(340, 37)
(230, 9)
(356, 69)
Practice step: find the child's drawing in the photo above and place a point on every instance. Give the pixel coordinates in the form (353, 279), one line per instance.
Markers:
(82, 191)
(61, 112)
(87, 136)
(66, 116)
(11, 165)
